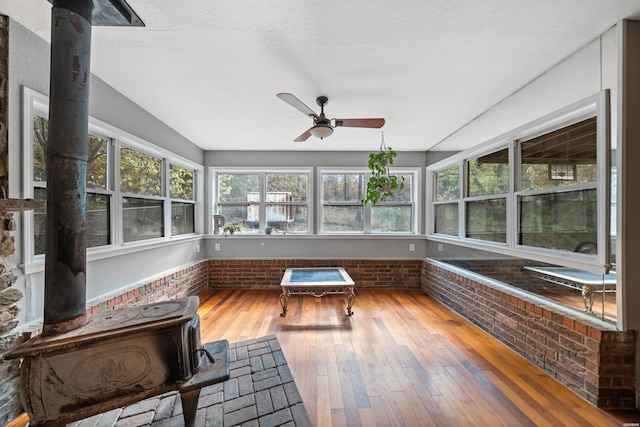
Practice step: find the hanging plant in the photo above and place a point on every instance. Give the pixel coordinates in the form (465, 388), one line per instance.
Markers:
(382, 184)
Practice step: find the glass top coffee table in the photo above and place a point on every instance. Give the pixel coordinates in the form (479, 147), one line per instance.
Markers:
(317, 282)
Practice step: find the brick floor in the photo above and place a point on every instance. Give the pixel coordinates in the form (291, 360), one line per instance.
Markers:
(259, 392)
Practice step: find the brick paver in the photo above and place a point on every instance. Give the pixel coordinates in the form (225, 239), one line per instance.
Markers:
(260, 392)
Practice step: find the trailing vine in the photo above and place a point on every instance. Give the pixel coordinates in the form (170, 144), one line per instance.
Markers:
(382, 184)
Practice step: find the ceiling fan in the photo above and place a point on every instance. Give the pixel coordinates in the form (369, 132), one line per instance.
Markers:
(322, 126)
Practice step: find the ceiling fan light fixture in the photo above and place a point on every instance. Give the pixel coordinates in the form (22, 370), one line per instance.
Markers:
(322, 131)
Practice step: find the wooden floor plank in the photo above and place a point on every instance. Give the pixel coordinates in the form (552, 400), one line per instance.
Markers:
(402, 359)
(324, 405)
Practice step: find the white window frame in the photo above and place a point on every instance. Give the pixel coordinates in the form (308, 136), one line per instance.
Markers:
(431, 194)
(415, 203)
(466, 198)
(171, 200)
(596, 105)
(263, 172)
(37, 103)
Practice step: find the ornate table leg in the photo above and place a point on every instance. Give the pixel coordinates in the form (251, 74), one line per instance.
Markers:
(587, 296)
(351, 297)
(284, 298)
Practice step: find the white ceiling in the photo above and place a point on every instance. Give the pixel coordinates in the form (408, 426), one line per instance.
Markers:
(211, 69)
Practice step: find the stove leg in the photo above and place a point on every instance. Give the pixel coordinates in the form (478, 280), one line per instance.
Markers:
(213, 369)
(190, 406)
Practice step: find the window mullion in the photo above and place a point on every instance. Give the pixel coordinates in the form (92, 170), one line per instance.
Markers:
(262, 223)
(166, 199)
(368, 209)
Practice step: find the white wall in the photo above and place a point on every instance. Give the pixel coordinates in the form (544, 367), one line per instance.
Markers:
(585, 73)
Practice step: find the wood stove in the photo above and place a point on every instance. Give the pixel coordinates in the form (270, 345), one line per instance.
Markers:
(119, 357)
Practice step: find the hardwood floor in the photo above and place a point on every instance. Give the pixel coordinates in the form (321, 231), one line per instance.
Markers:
(401, 360)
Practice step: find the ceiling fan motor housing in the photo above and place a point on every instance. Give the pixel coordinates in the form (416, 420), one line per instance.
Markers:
(322, 101)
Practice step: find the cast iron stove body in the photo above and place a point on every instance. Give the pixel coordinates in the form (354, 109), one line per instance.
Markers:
(119, 357)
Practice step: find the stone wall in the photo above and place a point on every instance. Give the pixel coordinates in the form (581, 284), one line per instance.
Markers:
(9, 371)
(594, 361)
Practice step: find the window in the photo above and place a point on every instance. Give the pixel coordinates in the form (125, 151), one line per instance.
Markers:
(541, 190)
(558, 197)
(561, 158)
(181, 191)
(398, 214)
(98, 202)
(135, 191)
(447, 194)
(486, 199)
(142, 202)
(260, 199)
(342, 210)
(534, 209)
(286, 201)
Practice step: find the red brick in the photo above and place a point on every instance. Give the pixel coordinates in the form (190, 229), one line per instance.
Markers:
(602, 357)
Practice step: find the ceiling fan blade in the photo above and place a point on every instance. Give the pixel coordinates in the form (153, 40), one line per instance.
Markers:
(359, 123)
(304, 136)
(297, 104)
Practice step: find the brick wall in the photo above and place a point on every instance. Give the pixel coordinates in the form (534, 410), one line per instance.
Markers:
(267, 273)
(186, 281)
(595, 362)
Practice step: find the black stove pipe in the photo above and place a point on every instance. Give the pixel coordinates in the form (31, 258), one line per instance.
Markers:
(65, 263)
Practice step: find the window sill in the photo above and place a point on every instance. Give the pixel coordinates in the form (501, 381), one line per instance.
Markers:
(316, 236)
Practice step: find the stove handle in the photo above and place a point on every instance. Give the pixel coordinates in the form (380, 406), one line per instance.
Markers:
(202, 349)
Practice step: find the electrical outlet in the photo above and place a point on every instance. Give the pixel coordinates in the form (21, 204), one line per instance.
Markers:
(412, 247)
(198, 248)
(440, 247)
(217, 246)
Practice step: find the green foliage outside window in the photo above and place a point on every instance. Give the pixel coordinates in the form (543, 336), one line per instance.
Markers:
(293, 183)
(96, 155)
(140, 173)
(489, 175)
(180, 183)
(233, 187)
(342, 187)
(40, 138)
(448, 184)
(97, 205)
